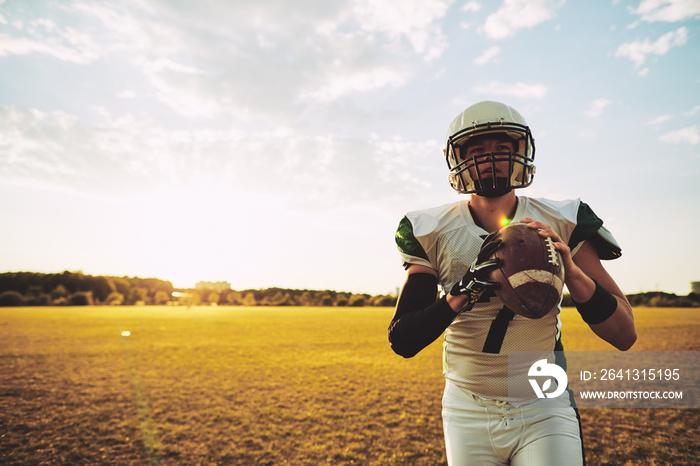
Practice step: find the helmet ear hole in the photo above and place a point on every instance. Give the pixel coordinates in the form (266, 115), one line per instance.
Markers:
(454, 182)
(458, 182)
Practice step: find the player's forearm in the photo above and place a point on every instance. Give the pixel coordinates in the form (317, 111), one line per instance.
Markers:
(415, 330)
(457, 303)
(419, 319)
(619, 329)
(609, 315)
(581, 287)
(599, 300)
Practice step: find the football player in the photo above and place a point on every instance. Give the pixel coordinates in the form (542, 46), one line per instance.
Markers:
(490, 152)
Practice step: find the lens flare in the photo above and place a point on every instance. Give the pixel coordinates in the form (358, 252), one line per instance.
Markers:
(505, 221)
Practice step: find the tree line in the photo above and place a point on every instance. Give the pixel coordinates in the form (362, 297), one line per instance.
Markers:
(652, 299)
(76, 289)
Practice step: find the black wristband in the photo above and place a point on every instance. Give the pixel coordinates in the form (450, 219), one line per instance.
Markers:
(597, 309)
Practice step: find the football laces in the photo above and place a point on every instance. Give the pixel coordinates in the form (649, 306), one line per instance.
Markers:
(552, 252)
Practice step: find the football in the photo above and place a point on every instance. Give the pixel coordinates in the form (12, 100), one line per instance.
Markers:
(532, 277)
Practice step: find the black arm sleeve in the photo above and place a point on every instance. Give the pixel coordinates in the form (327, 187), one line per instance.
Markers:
(419, 319)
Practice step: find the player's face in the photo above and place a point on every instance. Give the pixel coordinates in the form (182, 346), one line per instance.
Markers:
(481, 149)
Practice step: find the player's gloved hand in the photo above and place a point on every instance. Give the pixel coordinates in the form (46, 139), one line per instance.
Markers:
(476, 280)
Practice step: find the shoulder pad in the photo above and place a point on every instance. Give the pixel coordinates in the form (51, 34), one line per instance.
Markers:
(408, 245)
(605, 244)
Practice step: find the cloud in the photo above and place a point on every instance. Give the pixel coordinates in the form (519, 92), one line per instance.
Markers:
(664, 118)
(68, 45)
(31, 144)
(130, 156)
(121, 155)
(659, 120)
(595, 109)
(40, 35)
(339, 83)
(127, 94)
(472, 6)
(251, 86)
(692, 111)
(530, 91)
(517, 14)
(638, 51)
(689, 135)
(399, 160)
(413, 20)
(263, 62)
(488, 55)
(183, 88)
(666, 10)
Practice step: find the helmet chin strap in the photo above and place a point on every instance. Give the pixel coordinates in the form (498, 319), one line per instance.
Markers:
(488, 190)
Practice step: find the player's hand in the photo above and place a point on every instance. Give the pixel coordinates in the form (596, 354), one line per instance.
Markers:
(546, 231)
(476, 280)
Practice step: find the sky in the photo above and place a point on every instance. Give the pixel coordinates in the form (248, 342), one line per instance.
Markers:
(270, 143)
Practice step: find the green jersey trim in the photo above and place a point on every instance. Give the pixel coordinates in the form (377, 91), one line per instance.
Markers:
(587, 224)
(407, 242)
(590, 227)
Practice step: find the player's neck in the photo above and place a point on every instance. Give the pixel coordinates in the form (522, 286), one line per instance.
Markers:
(489, 213)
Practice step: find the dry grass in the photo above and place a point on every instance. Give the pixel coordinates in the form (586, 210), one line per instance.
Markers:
(641, 436)
(267, 386)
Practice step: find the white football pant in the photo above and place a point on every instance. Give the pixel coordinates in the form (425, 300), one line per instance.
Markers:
(482, 432)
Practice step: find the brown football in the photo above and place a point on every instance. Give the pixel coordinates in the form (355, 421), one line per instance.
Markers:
(532, 277)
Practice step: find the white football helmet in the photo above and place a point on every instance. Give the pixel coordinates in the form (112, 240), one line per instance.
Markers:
(492, 119)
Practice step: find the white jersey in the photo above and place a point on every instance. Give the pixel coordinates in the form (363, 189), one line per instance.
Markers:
(477, 343)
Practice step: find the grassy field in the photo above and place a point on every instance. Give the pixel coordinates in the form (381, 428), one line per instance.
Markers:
(269, 386)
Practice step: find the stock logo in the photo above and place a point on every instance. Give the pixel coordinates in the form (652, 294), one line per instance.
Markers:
(542, 368)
